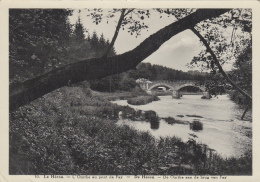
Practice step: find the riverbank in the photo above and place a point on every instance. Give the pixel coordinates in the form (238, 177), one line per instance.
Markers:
(74, 131)
(142, 100)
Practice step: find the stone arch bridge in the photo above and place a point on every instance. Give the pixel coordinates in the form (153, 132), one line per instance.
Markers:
(172, 86)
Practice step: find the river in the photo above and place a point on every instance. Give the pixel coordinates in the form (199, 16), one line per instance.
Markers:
(222, 131)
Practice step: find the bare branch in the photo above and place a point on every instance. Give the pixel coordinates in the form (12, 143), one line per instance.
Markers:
(129, 11)
(247, 107)
(116, 33)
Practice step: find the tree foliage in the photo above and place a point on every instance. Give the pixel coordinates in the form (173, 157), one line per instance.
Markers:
(43, 39)
(228, 35)
(242, 75)
(38, 39)
(132, 19)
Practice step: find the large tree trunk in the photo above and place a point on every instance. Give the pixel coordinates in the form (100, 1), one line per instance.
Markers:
(24, 93)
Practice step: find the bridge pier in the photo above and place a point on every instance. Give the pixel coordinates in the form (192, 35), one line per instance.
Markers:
(176, 94)
(206, 95)
(149, 92)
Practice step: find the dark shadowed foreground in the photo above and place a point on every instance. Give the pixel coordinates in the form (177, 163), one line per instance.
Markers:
(72, 131)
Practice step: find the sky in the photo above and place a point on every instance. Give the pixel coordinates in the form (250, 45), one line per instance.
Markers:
(176, 53)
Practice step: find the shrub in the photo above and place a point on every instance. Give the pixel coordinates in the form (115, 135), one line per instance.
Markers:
(142, 100)
(170, 120)
(88, 92)
(152, 117)
(196, 125)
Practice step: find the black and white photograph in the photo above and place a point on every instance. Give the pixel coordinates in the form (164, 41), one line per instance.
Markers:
(130, 91)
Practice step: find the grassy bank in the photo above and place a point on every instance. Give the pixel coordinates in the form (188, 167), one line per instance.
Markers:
(73, 131)
(142, 100)
(120, 95)
(237, 97)
(243, 103)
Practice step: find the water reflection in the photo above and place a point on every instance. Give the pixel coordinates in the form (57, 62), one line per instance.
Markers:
(151, 117)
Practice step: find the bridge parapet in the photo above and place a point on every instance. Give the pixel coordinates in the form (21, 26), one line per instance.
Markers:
(186, 81)
(173, 85)
(175, 81)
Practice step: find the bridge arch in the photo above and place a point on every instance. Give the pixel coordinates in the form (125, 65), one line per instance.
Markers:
(160, 85)
(190, 85)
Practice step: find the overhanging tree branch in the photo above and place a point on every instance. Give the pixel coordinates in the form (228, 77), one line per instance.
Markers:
(218, 64)
(95, 68)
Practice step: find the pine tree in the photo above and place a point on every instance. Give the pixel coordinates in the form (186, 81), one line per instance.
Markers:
(112, 51)
(94, 41)
(79, 31)
(102, 44)
(88, 38)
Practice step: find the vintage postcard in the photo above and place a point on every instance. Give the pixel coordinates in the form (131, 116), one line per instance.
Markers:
(129, 90)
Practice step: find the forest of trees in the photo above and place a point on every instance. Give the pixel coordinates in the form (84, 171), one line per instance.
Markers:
(126, 81)
(44, 39)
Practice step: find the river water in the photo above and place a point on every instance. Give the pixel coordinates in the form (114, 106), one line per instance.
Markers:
(222, 131)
